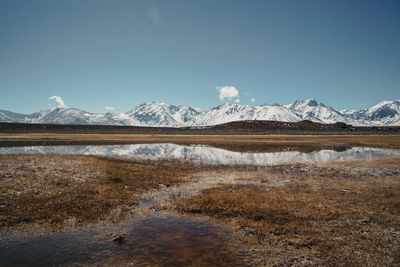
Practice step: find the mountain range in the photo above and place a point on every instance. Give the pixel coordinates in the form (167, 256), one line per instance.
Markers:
(386, 113)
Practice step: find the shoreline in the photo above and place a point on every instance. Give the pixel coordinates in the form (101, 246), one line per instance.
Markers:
(32, 139)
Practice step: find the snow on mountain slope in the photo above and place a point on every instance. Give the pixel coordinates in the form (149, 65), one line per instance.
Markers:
(275, 113)
(9, 116)
(313, 110)
(65, 116)
(163, 115)
(384, 113)
(233, 112)
(224, 113)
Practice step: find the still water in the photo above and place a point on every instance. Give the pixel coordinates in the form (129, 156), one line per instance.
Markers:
(168, 240)
(211, 155)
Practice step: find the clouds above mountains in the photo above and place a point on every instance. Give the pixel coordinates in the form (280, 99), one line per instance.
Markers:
(229, 92)
(59, 100)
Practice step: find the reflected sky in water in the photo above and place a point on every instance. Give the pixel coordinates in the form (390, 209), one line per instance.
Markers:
(208, 154)
(153, 241)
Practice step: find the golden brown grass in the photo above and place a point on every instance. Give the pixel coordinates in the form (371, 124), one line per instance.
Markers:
(332, 217)
(54, 191)
(363, 140)
(339, 213)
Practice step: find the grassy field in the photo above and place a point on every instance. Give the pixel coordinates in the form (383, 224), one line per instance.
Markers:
(51, 192)
(390, 141)
(331, 214)
(297, 214)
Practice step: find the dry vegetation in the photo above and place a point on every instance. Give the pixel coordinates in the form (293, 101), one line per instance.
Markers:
(391, 141)
(331, 214)
(56, 191)
(340, 213)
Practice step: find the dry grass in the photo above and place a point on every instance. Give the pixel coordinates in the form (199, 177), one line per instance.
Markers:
(340, 213)
(334, 216)
(56, 191)
(360, 140)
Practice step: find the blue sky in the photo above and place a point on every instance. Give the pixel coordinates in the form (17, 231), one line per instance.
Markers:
(96, 53)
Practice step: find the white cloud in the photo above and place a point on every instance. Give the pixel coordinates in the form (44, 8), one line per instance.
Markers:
(109, 108)
(252, 100)
(227, 92)
(237, 100)
(59, 100)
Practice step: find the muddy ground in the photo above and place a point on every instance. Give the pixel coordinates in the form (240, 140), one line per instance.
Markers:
(297, 214)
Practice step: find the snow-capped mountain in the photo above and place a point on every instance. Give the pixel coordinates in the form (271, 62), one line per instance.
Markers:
(69, 116)
(164, 115)
(384, 113)
(313, 110)
(9, 116)
(233, 112)
(161, 114)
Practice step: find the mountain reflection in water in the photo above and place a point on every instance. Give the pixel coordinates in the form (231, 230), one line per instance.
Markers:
(211, 155)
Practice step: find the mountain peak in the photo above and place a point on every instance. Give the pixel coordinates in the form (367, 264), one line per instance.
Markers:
(386, 103)
(165, 115)
(312, 102)
(227, 105)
